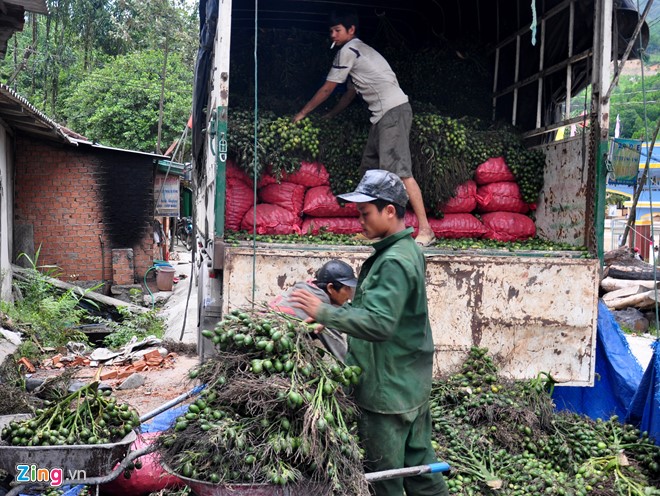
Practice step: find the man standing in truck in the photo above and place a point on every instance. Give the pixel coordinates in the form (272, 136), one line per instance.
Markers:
(367, 72)
(390, 339)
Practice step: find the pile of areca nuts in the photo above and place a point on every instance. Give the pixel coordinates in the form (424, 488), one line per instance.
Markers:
(506, 437)
(87, 416)
(274, 411)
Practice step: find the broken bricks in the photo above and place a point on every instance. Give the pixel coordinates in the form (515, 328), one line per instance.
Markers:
(149, 361)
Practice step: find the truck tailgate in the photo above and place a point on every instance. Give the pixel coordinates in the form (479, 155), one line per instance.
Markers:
(535, 311)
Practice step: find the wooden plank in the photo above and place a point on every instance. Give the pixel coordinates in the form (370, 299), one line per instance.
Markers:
(641, 300)
(623, 292)
(613, 284)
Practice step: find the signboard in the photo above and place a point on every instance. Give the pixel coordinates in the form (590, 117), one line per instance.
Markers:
(624, 157)
(166, 195)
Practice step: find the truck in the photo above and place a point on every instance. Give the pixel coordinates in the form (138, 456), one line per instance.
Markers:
(536, 311)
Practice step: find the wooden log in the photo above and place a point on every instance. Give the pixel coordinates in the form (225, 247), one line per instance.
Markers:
(20, 272)
(641, 300)
(613, 284)
(623, 292)
(633, 272)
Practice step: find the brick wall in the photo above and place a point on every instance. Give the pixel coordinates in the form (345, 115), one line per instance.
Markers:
(82, 203)
(123, 268)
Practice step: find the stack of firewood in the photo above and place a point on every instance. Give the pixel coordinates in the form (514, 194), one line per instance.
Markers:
(628, 281)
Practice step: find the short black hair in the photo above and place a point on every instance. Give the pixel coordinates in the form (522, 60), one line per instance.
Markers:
(381, 204)
(324, 285)
(346, 18)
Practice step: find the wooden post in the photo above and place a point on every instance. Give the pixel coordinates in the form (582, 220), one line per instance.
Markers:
(165, 240)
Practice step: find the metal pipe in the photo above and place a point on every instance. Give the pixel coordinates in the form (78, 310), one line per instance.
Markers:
(408, 471)
(569, 67)
(539, 97)
(514, 111)
(626, 54)
(171, 403)
(102, 261)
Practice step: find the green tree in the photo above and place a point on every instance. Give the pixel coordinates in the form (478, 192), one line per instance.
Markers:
(631, 100)
(54, 54)
(118, 104)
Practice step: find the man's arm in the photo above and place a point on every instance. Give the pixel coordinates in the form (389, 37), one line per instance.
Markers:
(343, 102)
(376, 319)
(321, 96)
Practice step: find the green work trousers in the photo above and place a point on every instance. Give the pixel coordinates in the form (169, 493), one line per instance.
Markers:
(397, 441)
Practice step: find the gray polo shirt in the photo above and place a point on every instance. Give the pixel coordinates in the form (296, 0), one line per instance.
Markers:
(371, 75)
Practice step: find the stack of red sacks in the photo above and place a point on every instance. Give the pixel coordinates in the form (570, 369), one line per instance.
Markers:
(303, 203)
(300, 203)
(500, 203)
(457, 220)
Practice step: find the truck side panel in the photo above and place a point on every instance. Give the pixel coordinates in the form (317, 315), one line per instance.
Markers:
(535, 314)
(560, 215)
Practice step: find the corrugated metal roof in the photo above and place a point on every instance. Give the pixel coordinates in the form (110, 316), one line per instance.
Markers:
(21, 115)
(37, 6)
(98, 146)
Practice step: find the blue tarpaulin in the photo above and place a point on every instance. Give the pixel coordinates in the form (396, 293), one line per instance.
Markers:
(163, 421)
(644, 410)
(621, 387)
(618, 375)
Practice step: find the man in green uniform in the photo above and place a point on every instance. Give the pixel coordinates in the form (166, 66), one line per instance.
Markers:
(389, 339)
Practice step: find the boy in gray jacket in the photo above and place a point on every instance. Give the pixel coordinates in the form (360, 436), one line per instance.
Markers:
(334, 284)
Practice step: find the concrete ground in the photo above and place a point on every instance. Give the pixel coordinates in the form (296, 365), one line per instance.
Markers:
(174, 309)
(641, 348)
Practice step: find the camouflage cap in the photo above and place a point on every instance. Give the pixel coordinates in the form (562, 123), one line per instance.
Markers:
(378, 184)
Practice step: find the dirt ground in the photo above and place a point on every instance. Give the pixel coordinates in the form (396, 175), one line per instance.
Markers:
(160, 385)
(169, 380)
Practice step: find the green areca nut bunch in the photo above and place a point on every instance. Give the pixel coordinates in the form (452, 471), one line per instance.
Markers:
(86, 416)
(274, 411)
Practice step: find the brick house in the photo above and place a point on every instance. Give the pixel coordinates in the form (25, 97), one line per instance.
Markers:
(88, 208)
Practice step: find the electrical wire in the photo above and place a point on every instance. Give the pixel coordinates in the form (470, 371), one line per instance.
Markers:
(254, 163)
(650, 188)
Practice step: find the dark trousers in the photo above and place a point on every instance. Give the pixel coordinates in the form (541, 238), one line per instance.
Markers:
(398, 441)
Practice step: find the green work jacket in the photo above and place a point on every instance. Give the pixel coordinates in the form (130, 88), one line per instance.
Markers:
(388, 327)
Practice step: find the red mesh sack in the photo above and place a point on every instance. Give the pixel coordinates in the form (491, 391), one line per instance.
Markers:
(150, 478)
(457, 226)
(501, 197)
(493, 170)
(286, 195)
(310, 174)
(411, 220)
(320, 202)
(265, 180)
(508, 226)
(234, 171)
(271, 219)
(464, 200)
(239, 199)
(337, 225)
